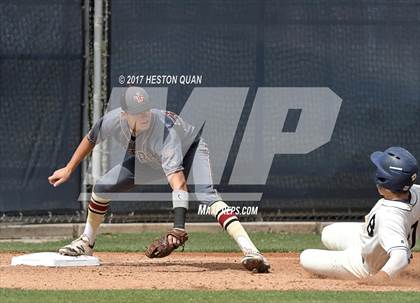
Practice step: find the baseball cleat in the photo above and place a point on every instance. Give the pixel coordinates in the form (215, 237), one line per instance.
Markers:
(78, 247)
(256, 262)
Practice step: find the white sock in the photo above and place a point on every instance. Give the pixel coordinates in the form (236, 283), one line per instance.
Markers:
(96, 213)
(228, 220)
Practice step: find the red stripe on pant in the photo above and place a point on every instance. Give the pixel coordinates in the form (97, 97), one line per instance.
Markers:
(226, 216)
(97, 207)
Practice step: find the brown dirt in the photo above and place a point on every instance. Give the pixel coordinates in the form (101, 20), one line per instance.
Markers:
(205, 271)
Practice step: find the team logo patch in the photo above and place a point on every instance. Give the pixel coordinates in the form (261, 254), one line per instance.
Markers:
(138, 98)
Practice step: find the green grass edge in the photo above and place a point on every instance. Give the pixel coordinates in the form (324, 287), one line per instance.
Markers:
(175, 296)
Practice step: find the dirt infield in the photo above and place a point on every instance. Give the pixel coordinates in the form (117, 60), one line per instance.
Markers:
(204, 271)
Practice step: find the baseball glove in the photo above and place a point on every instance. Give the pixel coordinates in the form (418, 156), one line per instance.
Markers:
(161, 248)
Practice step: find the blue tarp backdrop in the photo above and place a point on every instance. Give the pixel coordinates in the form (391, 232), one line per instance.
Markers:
(367, 52)
(41, 69)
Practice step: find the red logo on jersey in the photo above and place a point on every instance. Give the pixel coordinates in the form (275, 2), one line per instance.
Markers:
(138, 98)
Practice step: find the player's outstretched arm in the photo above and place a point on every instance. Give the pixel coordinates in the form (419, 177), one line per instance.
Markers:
(177, 236)
(397, 262)
(177, 181)
(179, 187)
(63, 174)
(379, 278)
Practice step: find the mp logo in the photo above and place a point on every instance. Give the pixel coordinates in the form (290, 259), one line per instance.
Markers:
(277, 120)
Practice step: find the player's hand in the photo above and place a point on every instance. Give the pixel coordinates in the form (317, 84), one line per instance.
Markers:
(173, 241)
(380, 278)
(165, 245)
(59, 176)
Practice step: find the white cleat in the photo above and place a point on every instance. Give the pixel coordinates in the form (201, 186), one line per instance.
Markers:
(256, 262)
(78, 247)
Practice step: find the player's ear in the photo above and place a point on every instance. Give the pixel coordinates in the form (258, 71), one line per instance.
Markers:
(380, 190)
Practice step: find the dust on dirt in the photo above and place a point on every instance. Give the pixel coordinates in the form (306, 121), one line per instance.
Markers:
(203, 271)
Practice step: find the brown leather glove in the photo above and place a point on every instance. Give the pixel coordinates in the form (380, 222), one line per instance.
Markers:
(161, 248)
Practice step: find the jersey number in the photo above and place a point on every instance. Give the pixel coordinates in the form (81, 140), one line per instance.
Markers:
(413, 234)
(371, 226)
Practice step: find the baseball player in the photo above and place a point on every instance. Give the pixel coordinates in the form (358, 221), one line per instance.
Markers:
(158, 144)
(380, 248)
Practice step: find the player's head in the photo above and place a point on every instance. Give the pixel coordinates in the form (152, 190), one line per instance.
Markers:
(396, 169)
(135, 100)
(135, 103)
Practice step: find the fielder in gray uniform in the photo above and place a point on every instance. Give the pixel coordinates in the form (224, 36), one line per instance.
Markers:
(158, 144)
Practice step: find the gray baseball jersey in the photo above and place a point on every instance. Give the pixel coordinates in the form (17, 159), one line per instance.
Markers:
(163, 144)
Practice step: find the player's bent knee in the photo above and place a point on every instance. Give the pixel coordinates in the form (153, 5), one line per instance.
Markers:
(327, 263)
(316, 261)
(327, 236)
(103, 189)
(98, 198)
(306, 259)
(303, 258)
(106, 189)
